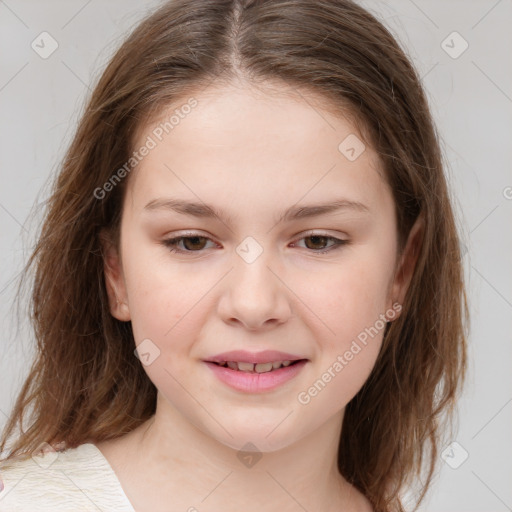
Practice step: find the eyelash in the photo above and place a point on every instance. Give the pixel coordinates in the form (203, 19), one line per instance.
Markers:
(171, 243)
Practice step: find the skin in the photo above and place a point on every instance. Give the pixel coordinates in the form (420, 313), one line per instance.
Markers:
(251, 153)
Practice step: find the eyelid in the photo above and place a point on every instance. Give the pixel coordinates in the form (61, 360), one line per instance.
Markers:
(316, 232)
(175, 238)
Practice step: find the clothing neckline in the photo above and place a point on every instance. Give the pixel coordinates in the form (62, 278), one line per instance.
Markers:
(99, 455)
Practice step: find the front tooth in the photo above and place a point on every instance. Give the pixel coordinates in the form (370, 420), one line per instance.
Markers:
(276, 365)
(287, 363)
(263, 367)
(232, 365)
(246, 367)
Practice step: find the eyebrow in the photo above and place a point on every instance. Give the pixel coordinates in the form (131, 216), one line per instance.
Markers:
(295, 212)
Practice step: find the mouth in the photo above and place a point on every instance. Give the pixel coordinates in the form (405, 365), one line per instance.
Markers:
(267, 367)
(256, 372)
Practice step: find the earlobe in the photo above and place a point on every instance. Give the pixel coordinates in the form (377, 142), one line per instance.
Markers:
(114, 280)
(408, 261)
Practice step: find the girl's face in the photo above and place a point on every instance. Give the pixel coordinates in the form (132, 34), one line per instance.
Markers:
(276, 270)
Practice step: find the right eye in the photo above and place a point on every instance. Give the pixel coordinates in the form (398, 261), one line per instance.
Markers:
(192, 243)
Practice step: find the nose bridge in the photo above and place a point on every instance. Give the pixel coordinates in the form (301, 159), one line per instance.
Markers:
(252, 266)
(255, 295)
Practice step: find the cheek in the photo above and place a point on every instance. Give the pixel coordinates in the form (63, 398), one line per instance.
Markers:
(349, 304)
(349, 296)
(157, 296)
(348, 349)
(167, 316)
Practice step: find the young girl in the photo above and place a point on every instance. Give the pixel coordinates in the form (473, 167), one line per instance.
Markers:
(248, 290)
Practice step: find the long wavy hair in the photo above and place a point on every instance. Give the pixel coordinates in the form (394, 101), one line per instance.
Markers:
(86, 385)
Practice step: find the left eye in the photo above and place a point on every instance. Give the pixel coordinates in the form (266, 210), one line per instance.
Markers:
(322, 240)
(196, 243)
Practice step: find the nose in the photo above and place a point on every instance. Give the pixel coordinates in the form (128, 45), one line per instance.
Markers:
(255, 295)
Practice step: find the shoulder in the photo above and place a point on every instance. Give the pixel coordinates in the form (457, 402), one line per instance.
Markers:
(74, 479)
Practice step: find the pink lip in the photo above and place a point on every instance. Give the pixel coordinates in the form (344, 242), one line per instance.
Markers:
(255, 382)
(242, 356)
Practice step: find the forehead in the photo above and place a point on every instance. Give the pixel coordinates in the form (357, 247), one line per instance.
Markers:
(268, 113)
(253, 142)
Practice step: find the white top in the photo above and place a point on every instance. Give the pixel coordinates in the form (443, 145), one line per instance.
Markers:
(74, 480)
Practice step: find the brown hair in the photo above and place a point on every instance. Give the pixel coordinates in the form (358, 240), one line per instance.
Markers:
(86, 385)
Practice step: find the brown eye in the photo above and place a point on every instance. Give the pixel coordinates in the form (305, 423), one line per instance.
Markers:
(194, 242)
(190, 243)
(316, 243)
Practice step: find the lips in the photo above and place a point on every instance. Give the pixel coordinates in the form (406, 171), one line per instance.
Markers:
(257, 371)
(243, 356)
(254, 382)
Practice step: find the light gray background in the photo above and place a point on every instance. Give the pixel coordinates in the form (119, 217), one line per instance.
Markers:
(471, 98)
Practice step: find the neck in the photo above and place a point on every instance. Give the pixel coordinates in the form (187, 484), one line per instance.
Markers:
(188, 468)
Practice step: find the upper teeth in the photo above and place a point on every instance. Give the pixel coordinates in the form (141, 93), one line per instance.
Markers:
(255, 368)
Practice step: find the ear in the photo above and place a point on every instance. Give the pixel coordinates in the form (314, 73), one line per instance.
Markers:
(407, 264)
(114, 279)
